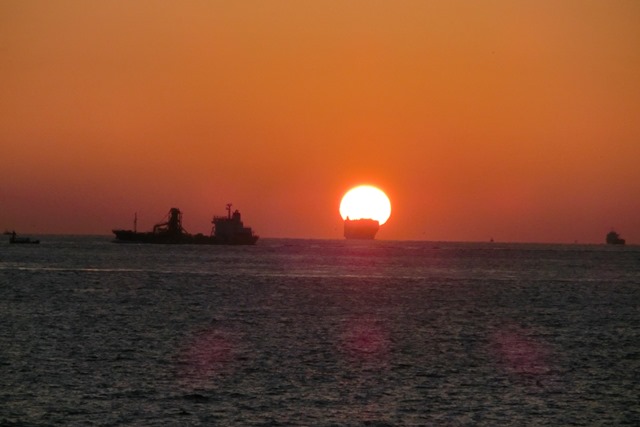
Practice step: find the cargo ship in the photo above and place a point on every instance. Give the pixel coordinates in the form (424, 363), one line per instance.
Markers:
(227, 230)
(614, 238)
(361, 229)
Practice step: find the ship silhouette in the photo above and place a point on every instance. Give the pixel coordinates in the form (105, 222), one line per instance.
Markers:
(361, 229)
(227, 230)
(614, 238)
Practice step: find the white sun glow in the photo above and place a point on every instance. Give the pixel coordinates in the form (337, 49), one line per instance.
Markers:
(365, 201)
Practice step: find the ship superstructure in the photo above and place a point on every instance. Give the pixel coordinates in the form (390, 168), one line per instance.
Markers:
(231, 230)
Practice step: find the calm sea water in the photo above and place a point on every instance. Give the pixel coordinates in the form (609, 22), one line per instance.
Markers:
(318, 332)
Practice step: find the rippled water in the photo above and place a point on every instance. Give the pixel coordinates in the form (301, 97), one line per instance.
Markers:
(312, 332)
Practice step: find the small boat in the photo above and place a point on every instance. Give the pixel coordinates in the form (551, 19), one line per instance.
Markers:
(15, 239)
(614, 238)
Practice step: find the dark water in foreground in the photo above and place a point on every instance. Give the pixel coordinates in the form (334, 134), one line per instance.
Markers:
(310, 332)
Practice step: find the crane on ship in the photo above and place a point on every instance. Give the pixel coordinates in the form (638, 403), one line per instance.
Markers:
(173, 225)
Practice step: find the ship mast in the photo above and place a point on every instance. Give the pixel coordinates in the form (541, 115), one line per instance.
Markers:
(229, 210)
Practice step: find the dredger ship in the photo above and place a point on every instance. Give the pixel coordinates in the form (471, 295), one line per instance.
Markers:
(227, 230)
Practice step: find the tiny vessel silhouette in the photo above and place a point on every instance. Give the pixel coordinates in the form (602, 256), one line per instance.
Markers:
(14, 239)
(361, 229)
(227, 230)
(614, 238)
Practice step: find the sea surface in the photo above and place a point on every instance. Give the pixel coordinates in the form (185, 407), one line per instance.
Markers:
(318, 333)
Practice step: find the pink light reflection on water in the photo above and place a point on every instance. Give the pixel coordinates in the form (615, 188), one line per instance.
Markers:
(519, 352)
(207, 355)
(365, 340)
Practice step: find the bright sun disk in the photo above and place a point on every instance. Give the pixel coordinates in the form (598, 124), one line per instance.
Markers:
(365, 201)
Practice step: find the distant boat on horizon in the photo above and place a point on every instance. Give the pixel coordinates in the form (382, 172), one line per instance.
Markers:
(14, 239)
(614, 238)
(360, 229)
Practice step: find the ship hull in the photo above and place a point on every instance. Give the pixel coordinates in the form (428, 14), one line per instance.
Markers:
(23, 241)
(129, 236)
(361, 229)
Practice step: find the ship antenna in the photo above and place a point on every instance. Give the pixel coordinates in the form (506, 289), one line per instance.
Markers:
(135, 222)
(229, 210)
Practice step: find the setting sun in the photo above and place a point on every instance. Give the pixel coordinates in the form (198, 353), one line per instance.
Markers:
(365, 201)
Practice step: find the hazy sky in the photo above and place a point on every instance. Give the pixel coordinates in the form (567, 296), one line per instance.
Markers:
(505, 119)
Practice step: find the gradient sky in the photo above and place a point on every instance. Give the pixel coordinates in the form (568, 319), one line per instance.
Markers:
(512, 120)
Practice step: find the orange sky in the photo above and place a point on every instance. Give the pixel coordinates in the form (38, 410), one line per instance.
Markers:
(517, 120)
